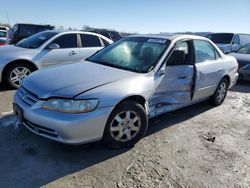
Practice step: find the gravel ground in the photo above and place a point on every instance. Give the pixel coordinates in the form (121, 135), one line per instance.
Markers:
(199, 146)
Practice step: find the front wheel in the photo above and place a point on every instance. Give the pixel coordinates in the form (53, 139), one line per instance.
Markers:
(126, 125)
(16, 73)
(220, 94)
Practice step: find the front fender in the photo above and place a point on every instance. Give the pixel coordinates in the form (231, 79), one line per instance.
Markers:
(113, 93)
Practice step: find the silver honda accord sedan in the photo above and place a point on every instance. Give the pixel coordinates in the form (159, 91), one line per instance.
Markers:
(111, 95)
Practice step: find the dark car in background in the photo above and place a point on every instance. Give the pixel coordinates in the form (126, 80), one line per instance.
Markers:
(22, 30)
(243, 58)
(111, 34)
(229, 42)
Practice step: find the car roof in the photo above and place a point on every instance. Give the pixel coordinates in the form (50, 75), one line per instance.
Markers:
(45, 25)
(171, 37)
(77, 31)
(73, 31)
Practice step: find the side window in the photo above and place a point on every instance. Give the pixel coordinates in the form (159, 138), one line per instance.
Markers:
(204, 51)
(66, 41)
(236, 39)
(180, 55)
(90, 41)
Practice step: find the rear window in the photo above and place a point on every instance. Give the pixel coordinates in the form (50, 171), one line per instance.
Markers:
(90, 40)
(221, 38)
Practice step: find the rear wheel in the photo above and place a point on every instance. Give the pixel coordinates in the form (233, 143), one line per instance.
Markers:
(220, 93)
(16, 73)
(126, 125)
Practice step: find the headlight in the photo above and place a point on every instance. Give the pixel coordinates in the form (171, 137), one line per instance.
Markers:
(71, 106)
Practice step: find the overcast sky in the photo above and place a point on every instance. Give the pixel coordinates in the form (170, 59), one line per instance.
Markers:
(143, 16)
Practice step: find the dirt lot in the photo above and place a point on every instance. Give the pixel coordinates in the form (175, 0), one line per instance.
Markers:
(175, 152)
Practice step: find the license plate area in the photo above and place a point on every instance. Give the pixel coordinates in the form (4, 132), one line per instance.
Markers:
(18, 112)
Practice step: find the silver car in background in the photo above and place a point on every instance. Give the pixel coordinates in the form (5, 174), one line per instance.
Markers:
(113, 93)
(229, 42)
(45, 49)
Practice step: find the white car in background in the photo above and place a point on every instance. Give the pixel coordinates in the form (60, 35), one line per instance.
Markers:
(45, 49)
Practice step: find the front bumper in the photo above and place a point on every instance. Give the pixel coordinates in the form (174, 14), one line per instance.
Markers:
(245, 72)
(62, 127)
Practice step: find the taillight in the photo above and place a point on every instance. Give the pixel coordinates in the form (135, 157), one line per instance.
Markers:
(3, 44)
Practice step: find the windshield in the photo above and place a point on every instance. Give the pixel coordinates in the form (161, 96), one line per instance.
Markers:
(222, 38)
(137, 54)
(36, 40)
(245, 49)
(3, 34)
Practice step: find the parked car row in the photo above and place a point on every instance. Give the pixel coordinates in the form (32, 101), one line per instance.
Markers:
(112, 94)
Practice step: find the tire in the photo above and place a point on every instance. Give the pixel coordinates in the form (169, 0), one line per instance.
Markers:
(15, 73)
(220, 94)
(126, 125)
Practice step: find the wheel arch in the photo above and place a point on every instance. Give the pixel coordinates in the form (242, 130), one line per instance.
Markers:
(137, 98)
(7, 66)
(227, 77)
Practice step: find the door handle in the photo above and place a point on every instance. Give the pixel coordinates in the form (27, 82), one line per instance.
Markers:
(72, 53)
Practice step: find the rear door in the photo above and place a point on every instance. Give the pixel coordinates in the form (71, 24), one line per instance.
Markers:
(209, 69)
(174, 88)
(67, 53)
(89, 45)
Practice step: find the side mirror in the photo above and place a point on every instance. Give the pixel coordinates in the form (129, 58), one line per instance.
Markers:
(53, 46)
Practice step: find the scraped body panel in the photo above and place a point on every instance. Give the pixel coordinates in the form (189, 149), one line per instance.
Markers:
(173, 91)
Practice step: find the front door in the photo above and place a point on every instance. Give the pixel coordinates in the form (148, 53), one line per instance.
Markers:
(174, 88)
(66, 54)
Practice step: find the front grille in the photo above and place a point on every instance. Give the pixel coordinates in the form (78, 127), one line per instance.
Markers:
(40, 129)
(26, 96)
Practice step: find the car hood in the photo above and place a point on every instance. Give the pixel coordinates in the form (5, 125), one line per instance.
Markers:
(68, 81)
(10, 52)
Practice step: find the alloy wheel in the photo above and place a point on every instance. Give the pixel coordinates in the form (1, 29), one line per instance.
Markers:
(125, 126)
(221, 92)
(18, 74)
